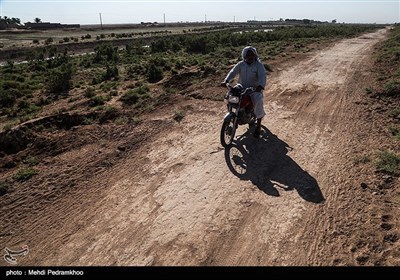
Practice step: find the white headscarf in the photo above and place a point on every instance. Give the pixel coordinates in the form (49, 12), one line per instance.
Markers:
(248, 48)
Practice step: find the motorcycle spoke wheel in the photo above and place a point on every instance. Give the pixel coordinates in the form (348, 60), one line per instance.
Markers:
(227, 133)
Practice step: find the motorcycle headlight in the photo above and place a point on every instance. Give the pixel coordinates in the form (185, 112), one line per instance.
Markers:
(233, 99)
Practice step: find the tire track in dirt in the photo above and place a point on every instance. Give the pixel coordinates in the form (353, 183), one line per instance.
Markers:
(186, 201)
(324, 101)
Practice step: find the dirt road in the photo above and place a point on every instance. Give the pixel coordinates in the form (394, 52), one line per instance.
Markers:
(289, 198)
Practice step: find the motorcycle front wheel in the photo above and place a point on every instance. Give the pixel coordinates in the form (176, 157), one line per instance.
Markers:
(227, 132)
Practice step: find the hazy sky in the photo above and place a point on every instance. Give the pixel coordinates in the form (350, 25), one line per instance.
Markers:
(87, 12)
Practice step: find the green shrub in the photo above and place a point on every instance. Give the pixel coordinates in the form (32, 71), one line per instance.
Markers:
(48, 41)
(25, 174)
(133, 96)
(111, 109)
(394, 113)
(388, 162)
(130, 97)
(98, 100)
(18, 78)
(3, 189)
(392, 88)
(369, 90)
(89, 92)
(87, 121)
(361, 159)
(30, 160)
(60, 79)
(106, 86)
(11, 84)
(105, 53)
(160, 45)
(154, 73)
(121, 120)
(142, 89)
(7, 127)
(26, 107)
(31, 109)
(86, 62)
(134, 70)
(23, 104)
(7, 98)
(395, 131)
(201, 44)
(111, 73)
(178, 115)
(136, 120)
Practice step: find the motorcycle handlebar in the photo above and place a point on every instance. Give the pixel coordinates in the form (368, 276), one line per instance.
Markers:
(249, 90)
(245, 91)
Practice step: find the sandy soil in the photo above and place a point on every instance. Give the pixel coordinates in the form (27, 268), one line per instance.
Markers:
(166, 192)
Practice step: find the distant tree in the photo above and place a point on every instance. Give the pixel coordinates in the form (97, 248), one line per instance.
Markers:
(37, 20)
(10, 21)
(6, 20)
(334, 21)
(16, 20)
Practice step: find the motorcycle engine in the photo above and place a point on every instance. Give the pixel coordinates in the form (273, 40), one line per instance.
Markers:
(244, 117)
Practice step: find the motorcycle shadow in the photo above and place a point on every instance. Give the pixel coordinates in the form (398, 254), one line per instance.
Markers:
(266, 164)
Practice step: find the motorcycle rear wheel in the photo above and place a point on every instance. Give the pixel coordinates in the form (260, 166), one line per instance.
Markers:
(227, 133)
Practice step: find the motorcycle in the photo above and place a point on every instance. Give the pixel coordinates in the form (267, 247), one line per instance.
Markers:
(240, 112)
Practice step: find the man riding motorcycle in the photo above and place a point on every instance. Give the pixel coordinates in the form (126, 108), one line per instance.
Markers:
(251, 74)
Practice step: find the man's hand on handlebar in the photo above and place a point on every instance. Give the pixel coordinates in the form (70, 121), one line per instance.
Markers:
(259, 88)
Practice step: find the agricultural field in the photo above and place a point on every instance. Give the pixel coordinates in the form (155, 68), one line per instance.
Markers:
(108, 73)
(21, 38)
